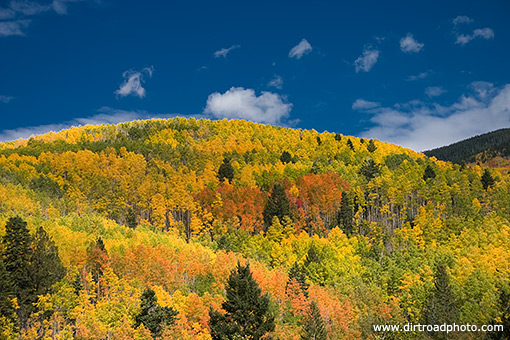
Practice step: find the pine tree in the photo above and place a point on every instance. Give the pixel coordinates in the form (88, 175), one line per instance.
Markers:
(277, 205)
(297, 273)
(319, 141)
(17, 255)
(338, 137)
(285, 157)
(371, 146)
(314, 327)
(47, 269)
(350, 145)
(247, 310)
(153, 316)
(370, 169)
(503, 319)
(6, 292)
(487, 180)
(226, 171)
(441, 307)
(131, 219)
(429, 173)
(346, 214)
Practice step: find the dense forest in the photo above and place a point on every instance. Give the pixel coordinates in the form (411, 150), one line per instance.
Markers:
(482, 148)
(198, 229)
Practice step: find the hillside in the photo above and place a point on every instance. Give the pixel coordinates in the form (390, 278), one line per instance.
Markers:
(362, 228)
(482, 148)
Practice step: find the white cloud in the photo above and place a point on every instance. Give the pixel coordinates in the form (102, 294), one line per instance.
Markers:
(434, 91)
(5, 99)
(361, 104)
(483, 89)
(418, 76)
(224, 51)
(409, 45)
(106, 115)
(18, 12)
(245, 104)
(367, 60)
(9, 28)
(463, 38)
(300, 49)
(421, 126)
(132, 84)
(461, 19)
(276, 82)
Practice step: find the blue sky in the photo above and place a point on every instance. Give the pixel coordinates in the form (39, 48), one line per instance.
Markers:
(420, 74)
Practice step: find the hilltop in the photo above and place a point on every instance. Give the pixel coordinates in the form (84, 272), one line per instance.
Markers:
(482, 148)
(361, 227)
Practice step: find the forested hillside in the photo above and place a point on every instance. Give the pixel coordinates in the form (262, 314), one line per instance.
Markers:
(482, 148)
(149, 229)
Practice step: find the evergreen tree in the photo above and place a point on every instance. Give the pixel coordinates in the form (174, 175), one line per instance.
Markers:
(319, 141)
(371, 146)
(441, 307)
(277, 205)
(503, 319)
(6, 292)
(77, 285)
(314, 327)
(429, 173)
(370, 169)
(153, 316)
(17, 255)
(349, 144)
(247, 310)
(296, 273)
(131, 219)
(285, 157)
(346, 214)
(47, 269)
(487, 179)
(226, 171)
(338, 137)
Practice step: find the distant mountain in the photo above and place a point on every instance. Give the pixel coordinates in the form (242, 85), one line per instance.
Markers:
(482, 148)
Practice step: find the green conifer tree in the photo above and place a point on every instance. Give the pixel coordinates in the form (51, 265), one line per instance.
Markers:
(371, 146)
(277, 205)
(47, 269)
(247, 310)
(370, 169)
(286, 157)
(346, 214)
(429, 173)
(153, 316)
(350, 145)
(226, 171)
(487, 179)
(297, 273)
(17, 256)
(6, 292)
(441, 307)
(314, 327)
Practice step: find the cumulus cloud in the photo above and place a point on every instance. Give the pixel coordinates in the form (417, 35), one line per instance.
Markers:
(423, 126)
(461, 19)
(5, 99)
(224, 51)
(418, 76)
(9, 28)
(361, 104)
(276, 82)
(105, 115)
(434, 91)
(367, 60)
(243, 103)
(463, 38)
(15, 17)
(409, 45)
(132, 84)
(300, 49)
